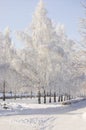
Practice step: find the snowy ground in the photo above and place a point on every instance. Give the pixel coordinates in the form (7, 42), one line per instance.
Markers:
(26, 114)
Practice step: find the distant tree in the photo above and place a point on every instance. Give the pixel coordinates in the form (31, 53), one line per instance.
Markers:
(83, 26)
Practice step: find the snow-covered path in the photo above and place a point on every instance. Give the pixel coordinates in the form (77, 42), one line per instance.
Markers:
(27, 122)
(44, 117)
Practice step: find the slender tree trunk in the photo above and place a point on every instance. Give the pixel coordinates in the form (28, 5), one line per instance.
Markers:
(54, 96)
(39, 97)
(61, 98)
(15, 95)
(50, 97)
(44, 96)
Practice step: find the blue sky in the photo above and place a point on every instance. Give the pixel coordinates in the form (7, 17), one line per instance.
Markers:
(17, 14)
